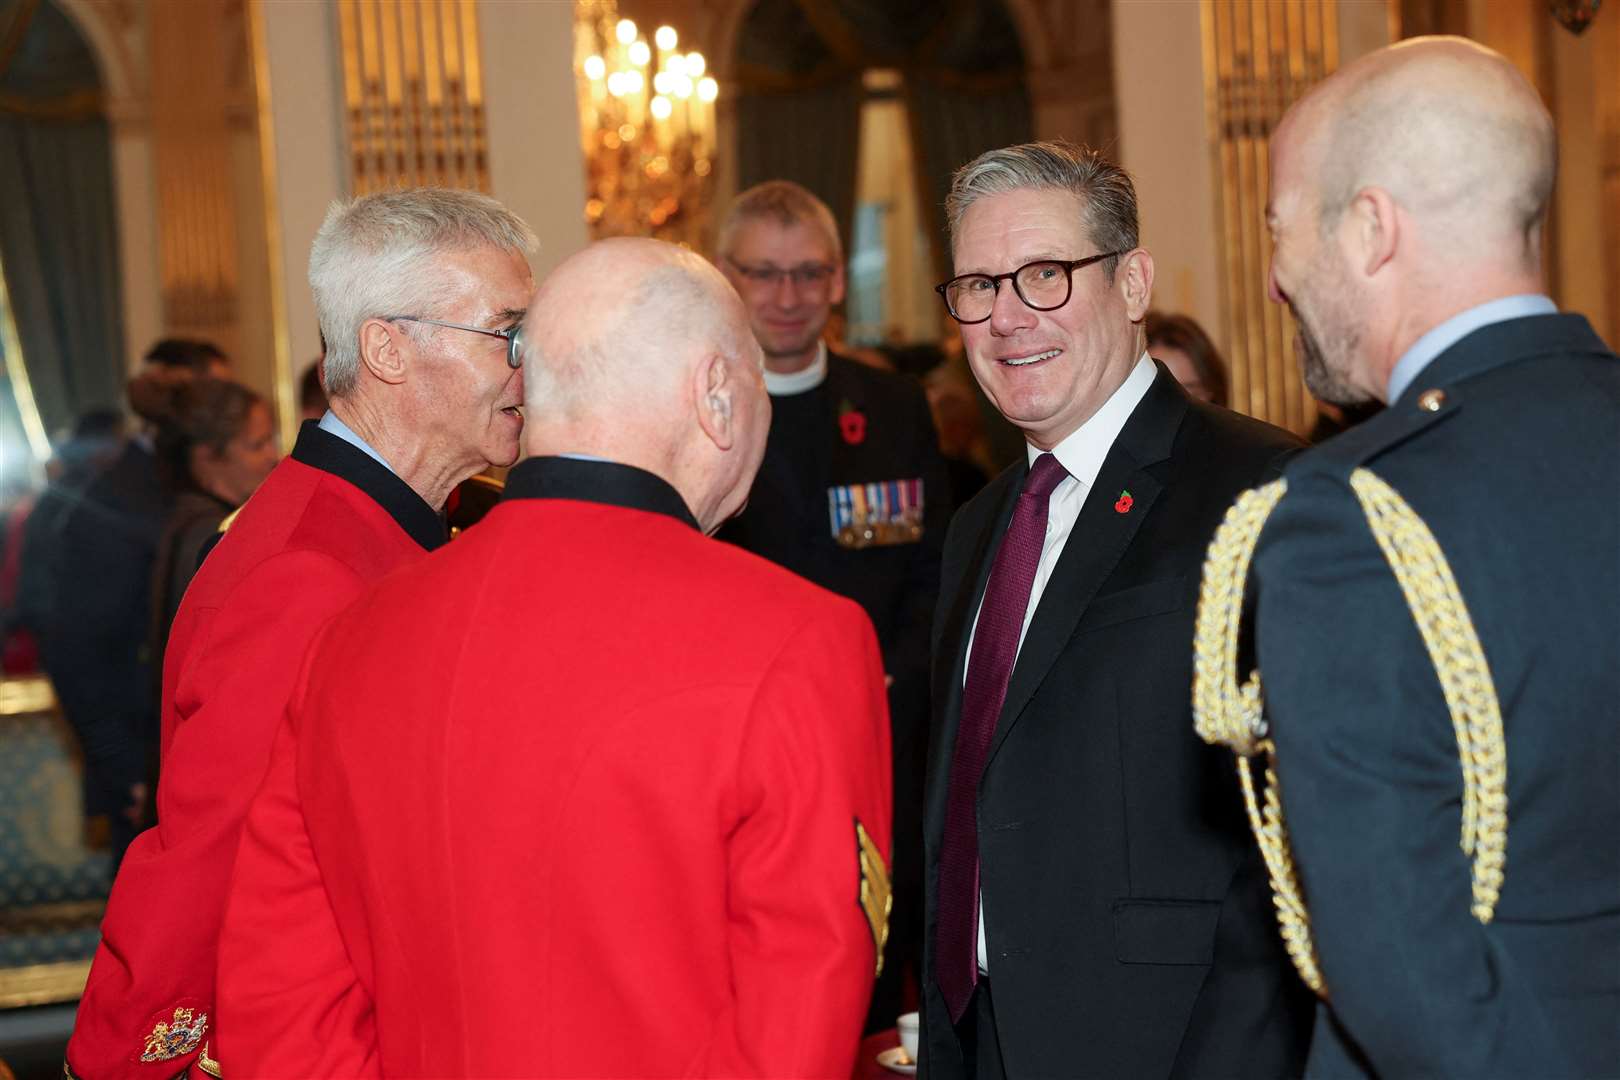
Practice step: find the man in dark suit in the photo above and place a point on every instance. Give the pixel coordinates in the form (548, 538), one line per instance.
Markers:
(1086, 856)
(1413, 265)
(852, 494)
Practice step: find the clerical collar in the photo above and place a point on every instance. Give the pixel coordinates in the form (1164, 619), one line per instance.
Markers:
(778, 384)
(319, 448)
(595, 480)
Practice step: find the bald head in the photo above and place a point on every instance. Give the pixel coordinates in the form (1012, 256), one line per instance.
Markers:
(639, 352)
(1407, 188)
(1450, 129)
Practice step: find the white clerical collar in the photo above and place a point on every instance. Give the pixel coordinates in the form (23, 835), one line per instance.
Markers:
(778, 384)
(1083, 451)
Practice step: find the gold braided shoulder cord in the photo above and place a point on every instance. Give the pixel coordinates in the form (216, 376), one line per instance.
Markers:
(1231, 715)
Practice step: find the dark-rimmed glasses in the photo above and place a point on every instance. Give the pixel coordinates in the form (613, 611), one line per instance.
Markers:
(512, 334)
(804, 276)
(1044, 285)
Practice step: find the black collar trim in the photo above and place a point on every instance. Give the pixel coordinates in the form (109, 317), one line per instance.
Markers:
(320, 449)
(606, 482)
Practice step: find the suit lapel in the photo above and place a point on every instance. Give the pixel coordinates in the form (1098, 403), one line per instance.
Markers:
(1099, 538)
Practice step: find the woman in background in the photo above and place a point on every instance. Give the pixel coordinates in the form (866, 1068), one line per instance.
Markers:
(217, 441)
(1182, 346)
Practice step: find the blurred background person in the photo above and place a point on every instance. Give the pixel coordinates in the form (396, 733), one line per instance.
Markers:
(1178, 342)
(961, 434)
(218, 439)
(27, 587)
(311, 394)
(94, 642)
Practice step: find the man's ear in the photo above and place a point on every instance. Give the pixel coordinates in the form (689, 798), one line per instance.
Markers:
(835, 287)
(1372, 229)
(381, 352)
(712, 385)
(1135, 279)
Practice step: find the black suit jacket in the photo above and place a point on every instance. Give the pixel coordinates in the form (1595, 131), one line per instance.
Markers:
(1518, 476)
(1128, 918)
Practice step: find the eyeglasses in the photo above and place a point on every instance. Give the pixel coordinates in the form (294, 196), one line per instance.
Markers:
(804, 276)
(512, 334)
(1044, 285)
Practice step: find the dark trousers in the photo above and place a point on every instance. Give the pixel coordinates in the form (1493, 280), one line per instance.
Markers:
(981, 1049)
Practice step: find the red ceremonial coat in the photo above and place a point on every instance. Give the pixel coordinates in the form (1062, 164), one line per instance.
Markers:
(326, 523)
(586, 794)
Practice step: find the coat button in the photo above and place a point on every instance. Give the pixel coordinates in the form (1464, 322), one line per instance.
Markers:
(1431, 400)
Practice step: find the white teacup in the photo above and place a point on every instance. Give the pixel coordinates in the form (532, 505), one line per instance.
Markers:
(907, 1026)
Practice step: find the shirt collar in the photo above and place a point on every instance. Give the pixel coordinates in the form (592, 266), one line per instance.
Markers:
(778, 384)
(597, 481)
(1083, 451)
(332, 425)
(350, 460)
(1442, 337)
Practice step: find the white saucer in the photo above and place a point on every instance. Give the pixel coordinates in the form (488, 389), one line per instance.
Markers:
(890, 1059)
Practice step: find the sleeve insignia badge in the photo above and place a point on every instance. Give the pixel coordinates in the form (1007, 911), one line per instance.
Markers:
(877, 514)
(176, 1037)
(876, 899)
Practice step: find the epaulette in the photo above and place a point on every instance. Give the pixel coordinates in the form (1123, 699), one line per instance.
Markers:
(1233, 716)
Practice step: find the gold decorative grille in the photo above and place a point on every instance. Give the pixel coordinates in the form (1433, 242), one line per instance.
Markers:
(1259, 56)
(414, 94)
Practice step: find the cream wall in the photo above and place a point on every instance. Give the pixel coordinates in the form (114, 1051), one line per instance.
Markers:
(1159, 88)
(1166, 139)
(536, 165)
(533, 136)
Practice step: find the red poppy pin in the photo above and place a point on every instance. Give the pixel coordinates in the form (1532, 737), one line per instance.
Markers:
(851, 424)
(1123, 504)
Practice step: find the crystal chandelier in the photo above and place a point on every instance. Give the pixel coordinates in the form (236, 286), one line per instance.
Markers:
(647, 125)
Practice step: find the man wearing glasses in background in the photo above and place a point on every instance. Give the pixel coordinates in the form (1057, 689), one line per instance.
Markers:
(851, 494)
(1086, 854)
(420, 294)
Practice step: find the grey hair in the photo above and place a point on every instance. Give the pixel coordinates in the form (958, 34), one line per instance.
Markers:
(374, 256)
(785, 203)
(1107, 196)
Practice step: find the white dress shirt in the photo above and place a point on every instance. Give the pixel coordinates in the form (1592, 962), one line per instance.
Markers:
(1081, 454)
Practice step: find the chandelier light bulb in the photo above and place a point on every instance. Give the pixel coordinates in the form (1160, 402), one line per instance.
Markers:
(695, 64)
(663, 82)
(595, 68)
(615, 84)
(665, 37)
(661, 108)
(633, 82)
(626, 31)
(683, 87)
(640, 54)
(707, 89)
(675, 64)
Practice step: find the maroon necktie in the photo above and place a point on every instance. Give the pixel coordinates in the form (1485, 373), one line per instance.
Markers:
(995, 647)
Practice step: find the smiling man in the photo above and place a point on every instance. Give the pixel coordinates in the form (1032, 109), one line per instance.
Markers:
(419, 293)
(1085, 854)
(851, 495)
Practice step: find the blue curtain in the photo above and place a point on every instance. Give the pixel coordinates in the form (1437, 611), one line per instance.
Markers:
(58, 232)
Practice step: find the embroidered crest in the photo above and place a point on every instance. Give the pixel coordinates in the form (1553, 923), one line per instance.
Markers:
(179, 1035)
(876, 899)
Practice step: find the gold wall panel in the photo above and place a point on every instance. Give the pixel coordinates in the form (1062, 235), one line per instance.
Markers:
(1259, 56)
(192, 44)
(413, 91)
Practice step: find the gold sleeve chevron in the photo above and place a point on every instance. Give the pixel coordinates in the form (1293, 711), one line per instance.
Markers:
(1232, 715)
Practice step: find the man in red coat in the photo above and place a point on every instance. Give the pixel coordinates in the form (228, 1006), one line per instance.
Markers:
(587, 793)
(418, 292)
